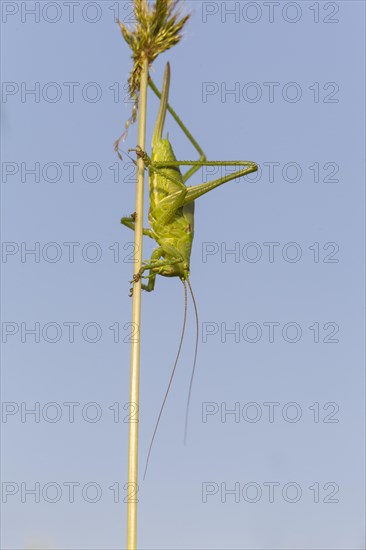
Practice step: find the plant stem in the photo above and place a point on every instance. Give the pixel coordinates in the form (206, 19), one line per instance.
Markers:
(136, 322)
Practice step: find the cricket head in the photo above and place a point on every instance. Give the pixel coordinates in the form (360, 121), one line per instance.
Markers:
(180, 270)
(185, 276)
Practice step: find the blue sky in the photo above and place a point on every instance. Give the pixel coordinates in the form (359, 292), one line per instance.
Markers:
(277, 268)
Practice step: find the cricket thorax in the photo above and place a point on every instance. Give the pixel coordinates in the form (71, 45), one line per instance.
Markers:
(176, 270)
(175, 238)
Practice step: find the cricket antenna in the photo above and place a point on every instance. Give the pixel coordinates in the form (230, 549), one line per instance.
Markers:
(194, 364)
(171, 376)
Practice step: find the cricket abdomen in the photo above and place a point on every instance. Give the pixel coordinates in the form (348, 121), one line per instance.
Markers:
(160, 187)
(171, 221)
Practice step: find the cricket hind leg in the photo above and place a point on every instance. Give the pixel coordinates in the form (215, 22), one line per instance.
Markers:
(187, 133)
(198, 190)
(246, 167)
(189, 194)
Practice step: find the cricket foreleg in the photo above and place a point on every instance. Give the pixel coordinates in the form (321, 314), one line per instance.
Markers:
(175, 257)
(151, 284)
(153, 265)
